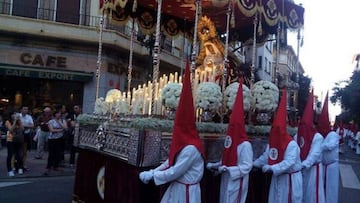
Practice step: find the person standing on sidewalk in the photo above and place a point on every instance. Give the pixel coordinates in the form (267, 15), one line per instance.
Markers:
(28, 124)
(73, 119)
(57, 126)
(15, 141)
(43, 122)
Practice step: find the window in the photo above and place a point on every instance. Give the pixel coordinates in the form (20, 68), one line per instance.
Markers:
(26, 8)
(67, 11)
(266, 64)
(260, 62)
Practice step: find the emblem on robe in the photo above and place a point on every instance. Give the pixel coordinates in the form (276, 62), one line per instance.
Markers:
(227, 142)
(302, 142)
(273, 155)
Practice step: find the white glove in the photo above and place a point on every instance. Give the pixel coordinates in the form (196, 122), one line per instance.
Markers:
(222, 169)
(266, 168)
(212, 166)
(146, 176)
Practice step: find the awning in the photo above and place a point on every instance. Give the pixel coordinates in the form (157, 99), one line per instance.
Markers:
(179, 15)
(44, 73)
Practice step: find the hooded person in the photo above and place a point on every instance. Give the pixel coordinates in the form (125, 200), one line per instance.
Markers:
(184, 167)
(330, 155)
(282, 158)
(355, 132)
(237, 157)
(310, 142)
(342, 130)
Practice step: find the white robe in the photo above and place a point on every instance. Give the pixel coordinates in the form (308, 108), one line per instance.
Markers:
(312, 163)
(236, 175)
(330, 161)
(357, 138)
(187, 169)
(290, 166)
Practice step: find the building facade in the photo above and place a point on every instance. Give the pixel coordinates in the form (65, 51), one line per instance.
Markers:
(49, 52)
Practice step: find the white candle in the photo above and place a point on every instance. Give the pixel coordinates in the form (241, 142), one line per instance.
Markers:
(166, 80)
(149, 108)
(171, 78)
(180, 79)
(176, 77)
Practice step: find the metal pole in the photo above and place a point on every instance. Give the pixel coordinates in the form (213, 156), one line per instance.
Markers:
(131, 55)
(99, 60)
(253, 57)
(194, 51)
(156, 60)
(277, 54)
(226, 60)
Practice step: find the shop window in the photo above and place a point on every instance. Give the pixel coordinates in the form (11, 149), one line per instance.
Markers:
(26, 8)
(67, 11)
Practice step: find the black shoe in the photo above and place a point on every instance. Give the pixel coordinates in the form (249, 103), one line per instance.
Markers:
(38, 157)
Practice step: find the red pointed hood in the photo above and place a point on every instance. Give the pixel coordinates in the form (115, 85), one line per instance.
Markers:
(279, 137)
(184, 132)
(306, 130)
(236, 133)
(324, 122)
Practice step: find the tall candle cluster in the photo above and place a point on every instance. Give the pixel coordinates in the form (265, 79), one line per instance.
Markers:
(141, 101)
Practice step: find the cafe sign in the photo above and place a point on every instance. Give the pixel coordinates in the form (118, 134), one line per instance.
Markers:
(52, 74)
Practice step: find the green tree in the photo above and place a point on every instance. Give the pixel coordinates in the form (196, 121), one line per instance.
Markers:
(347, 93)
(303, 93)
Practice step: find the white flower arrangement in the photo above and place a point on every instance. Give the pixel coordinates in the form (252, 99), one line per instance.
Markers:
(208, 96)
(113, 95)
(101, 107)
(121, 106)
(170, 95)
(231, 92)
(265, 96)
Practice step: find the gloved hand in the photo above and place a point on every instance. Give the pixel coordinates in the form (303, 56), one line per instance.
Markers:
(212, 166)
(266, 168)
(146, 176)
(222, 169)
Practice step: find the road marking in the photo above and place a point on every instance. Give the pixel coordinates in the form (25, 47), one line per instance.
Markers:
(348, 177)
(7, 184)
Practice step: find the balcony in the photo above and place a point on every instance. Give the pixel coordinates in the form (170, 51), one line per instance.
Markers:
(46, 23)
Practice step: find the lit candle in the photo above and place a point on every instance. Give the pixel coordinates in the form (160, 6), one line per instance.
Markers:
(149, 108)
(176, 77)
(180, 79)
(213, 73)
(166, 80)
(171, 78)
(156, 90)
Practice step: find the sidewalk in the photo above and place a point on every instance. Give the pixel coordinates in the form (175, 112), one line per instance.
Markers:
(36, 166)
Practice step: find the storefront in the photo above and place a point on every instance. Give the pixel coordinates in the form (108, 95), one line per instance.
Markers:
(42, 77)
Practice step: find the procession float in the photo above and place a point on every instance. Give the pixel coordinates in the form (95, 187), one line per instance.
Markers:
(130, 131)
